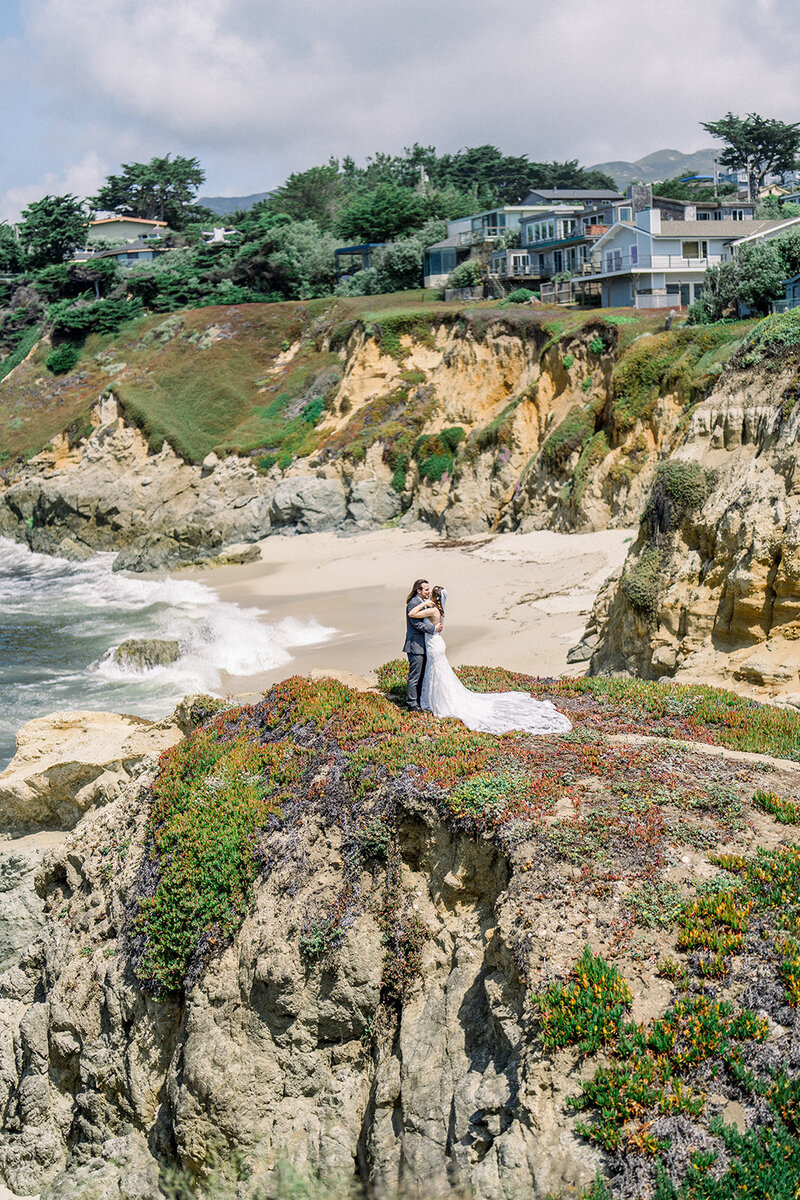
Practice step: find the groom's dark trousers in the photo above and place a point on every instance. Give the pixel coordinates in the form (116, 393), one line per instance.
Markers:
(414, 648)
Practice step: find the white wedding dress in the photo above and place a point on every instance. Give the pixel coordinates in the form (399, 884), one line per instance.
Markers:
(486, 712)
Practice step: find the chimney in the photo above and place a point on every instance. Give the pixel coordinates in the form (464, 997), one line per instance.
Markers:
(649, 219)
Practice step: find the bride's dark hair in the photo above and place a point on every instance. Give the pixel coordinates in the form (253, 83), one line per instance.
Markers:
(436, 597)
(417, 584)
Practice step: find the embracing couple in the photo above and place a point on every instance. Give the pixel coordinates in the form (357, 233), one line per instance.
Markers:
(433, 685)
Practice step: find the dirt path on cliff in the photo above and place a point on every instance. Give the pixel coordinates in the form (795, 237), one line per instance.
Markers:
(515, 600)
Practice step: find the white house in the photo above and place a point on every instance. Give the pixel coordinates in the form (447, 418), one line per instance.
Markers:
(650, 264)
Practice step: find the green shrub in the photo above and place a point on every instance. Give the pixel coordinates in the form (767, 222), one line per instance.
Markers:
(519, 296)
(588, 1009)
(567, 361)
(435, 452)
(62, 359)
(640, 582)
(597, 345)
(20, 352)
(679, 488)
(466, 274)
(572, 434)
(314, 410)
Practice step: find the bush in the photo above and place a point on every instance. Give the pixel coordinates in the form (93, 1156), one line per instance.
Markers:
(519, 296)
(435, 453)
(466, 274)
(597, 345)
(640, 582)
(679, 488)
(62, 359)
(572, 434)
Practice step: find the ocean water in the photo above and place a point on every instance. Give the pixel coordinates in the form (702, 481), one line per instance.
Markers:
(60, 623)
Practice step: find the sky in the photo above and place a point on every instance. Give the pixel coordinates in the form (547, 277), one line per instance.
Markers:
(256, 89)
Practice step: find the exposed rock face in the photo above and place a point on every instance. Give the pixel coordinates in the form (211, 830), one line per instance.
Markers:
(728, 580)
(267, 1054)
(308, 505)
(69, 762)
(113, 494)
(160, 512)
(21, 910)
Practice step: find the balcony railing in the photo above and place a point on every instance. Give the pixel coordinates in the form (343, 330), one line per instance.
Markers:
(779, 306)
(617, 263)
(488, 233)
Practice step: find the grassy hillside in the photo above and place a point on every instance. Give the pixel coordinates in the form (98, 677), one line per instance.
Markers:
(253, 378)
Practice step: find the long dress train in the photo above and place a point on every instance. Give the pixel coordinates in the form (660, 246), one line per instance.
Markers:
(490, 712)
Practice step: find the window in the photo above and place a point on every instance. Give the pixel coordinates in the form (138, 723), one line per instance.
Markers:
(625, 214)
(694, 249)
(634, 255)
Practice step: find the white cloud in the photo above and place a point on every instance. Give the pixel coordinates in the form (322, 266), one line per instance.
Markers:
(257, 89)
(82, 179)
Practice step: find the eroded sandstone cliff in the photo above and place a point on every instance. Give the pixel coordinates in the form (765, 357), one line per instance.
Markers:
(711, 588)
(466, 422)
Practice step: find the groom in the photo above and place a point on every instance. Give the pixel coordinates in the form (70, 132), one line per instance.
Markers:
(414, 649)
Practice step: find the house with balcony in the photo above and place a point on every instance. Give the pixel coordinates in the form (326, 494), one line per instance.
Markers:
(473, 237)
(661, 264)
(559, 240)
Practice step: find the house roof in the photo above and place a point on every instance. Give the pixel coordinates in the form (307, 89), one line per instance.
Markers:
(453, 240)
(574, 194)
(783, 223)
(135, 220)
(734, 229)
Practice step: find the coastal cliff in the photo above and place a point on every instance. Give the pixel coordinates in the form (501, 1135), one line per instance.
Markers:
(323, 944)
(711, 587)
(466, 421)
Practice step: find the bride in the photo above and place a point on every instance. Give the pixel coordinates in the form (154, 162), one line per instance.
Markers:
(444, 694)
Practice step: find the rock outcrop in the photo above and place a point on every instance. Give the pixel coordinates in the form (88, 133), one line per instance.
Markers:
(711, 588)
(69, 762)
(367, 1017)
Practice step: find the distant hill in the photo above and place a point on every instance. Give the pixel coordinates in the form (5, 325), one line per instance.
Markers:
(661, 164)
(225, 205)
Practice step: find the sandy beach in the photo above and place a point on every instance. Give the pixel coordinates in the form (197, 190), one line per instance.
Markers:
(514, 600)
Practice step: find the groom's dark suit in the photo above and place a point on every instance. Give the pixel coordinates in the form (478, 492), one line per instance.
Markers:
(416, 628)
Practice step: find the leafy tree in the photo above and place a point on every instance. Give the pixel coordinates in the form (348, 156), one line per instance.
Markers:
(11, 255)
(496, 178)
(160, 190)
(51, 228)
(294, 259)
(680, 189)
(310, 195)
(758, 145)
(773, 208)
(753, 278)
(381, 214)
(101, 274)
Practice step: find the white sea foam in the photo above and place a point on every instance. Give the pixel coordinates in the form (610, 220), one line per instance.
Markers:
(60, 623)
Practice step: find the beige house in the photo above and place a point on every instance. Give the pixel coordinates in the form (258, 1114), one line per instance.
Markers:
(124, 229)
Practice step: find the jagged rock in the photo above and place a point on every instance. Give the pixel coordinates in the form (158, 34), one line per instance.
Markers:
(231, 556)
(69, 762)
(372, 503)
(145, 653)
(309, 504)
(74, 551)
(21, 910)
